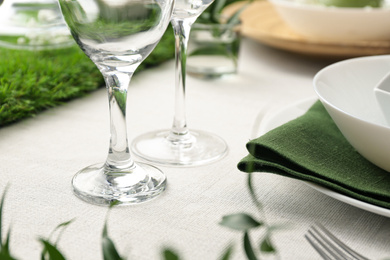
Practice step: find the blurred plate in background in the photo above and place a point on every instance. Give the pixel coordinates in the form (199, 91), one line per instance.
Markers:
(261, 22)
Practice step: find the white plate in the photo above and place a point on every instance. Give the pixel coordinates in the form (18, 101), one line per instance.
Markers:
(293, 111)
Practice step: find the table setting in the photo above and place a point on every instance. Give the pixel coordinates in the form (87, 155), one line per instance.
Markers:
(294, 149)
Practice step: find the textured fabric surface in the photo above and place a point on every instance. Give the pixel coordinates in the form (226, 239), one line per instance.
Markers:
(39, 156)
(312, 148)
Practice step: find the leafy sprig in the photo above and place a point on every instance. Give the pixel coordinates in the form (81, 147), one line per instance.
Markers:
(242, 222)
(50, 250)
(245, 222)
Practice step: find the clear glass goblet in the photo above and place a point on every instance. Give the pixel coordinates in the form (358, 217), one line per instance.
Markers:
(117, 35)
(179, 146)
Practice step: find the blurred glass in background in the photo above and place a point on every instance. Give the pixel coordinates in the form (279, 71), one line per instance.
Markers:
(213, 50)
(33, 24)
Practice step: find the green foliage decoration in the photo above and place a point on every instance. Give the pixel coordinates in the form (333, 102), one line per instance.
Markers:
(50, 250)
(169, 254)
(242, 222)
(33, 81)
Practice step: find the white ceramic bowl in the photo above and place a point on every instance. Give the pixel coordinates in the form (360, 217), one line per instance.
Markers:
(327, 23)
(346, 89)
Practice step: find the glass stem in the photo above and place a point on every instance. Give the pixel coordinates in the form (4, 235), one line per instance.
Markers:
(181, 29)
(118, 155)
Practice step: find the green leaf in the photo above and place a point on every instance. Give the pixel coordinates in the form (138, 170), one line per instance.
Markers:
(216, 8)
(235, 18)
(5, 256)
(105, 232)
(170, 255)
(63, 226)
(4, 245)
(45, 251)
(108, 246)
(252, 193)
(266, 245)
(114, 203)
(226, 255)
(250, 254)
(240, 221)
(51, 251)
(109, 250)
(1, 216)
(210, 50)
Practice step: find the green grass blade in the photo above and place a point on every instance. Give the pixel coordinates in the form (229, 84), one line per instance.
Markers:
(1, 216)
(250, 254)
(61, 226)
(4, 256)
(169, 254)
(216, 8)
(109, 250)
(252, 193)
(266, 245)
(235, 18)
(227, 253)
(6, 243)
(51, 251)
(108, 247)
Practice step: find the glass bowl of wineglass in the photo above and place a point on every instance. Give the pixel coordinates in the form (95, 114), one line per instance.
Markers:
(117, 35)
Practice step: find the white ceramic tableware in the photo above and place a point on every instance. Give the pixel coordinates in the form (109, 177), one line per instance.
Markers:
(335, 23)
(291, 112)
(382, 93)
(346, 89)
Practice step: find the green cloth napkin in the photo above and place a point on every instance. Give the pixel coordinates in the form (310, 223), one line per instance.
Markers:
(312, 148)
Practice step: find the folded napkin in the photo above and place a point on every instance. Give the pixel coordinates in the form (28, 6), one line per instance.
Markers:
(312, 148)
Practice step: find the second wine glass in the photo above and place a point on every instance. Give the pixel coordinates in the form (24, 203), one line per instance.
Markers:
(179, 146)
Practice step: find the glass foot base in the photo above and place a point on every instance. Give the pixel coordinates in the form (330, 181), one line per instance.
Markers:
(217, 66)
(201, 148)
(98, 185)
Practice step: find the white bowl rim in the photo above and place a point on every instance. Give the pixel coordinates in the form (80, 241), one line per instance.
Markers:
(319, 74)
(367, 9)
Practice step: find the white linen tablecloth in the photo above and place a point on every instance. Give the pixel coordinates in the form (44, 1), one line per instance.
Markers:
(39, 156)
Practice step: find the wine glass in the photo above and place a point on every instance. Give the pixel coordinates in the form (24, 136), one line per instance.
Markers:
(179, 146)
(117, 35)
